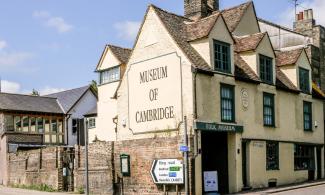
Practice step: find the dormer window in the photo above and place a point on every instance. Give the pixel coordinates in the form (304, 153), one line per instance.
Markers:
(222, 56)
(110, 75)
(266, 69)
(304, 80)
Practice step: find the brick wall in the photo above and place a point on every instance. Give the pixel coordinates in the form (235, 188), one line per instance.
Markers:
(38, 166)
(100, 168)
(142, 153)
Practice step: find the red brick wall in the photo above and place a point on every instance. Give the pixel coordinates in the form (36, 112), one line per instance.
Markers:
(142, 153)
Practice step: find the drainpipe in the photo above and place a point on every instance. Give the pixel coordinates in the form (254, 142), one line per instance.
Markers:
(67, 127)
(194, 72)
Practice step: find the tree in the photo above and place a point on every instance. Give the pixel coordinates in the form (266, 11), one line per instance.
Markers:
(35, 93)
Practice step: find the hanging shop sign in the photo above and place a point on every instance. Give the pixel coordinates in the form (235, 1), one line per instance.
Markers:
(155, 94)
(218, 127)
(167, 171)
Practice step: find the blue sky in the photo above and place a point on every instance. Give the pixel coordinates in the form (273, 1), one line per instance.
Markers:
(53, 45)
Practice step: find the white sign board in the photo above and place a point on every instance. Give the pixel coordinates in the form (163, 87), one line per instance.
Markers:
(167, 171)
(210, 181)
(155, 94)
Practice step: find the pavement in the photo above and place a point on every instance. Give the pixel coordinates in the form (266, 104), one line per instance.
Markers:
(309, 188)
(17, 191)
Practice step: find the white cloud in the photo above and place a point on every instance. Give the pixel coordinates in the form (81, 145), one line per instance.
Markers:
(14, 58)
(3, 44)
(287, 18)
(10, 87)
(49, 90)
(127, 30)
(58, 23)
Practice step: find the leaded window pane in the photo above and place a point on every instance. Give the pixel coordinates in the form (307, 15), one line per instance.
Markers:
(266, 69)
(307, 116)
(272, 155)
(227, 104)
(304, 80)
(268, 109)
(222, 56)
(110, 75)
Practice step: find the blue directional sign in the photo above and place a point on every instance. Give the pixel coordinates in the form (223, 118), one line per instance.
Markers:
(183, 148)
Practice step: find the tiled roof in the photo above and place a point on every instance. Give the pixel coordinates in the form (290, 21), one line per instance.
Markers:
(176, 27)
(288, 57)
(27, 103)
(201, 28)
(69, 98)
(233, 15)
(122, 54)
(248, 43)
(243, 71)
(283, 82)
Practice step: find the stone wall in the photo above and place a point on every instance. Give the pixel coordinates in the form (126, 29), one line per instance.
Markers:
(35, 167)
(103, 165)
(100, 168)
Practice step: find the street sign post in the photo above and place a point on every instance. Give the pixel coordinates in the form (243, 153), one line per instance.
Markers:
(167, 171)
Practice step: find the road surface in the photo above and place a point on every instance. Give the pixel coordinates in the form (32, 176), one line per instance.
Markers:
(16, 191)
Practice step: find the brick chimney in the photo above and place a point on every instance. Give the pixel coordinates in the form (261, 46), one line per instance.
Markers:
(196, 9)
(304, 22)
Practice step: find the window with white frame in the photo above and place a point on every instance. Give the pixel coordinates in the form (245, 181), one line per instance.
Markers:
(110, 75)
(91, 123)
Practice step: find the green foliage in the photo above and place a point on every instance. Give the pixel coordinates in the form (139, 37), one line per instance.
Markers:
(80, 190)
(41, 187)
(35, 93)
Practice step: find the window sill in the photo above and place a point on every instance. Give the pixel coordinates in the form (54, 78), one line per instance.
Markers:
(223, 73)
(272, 169)
(301, 169)
(229, 122)
(308, 130)
(270, 126)
(109, 83)
(268, 83)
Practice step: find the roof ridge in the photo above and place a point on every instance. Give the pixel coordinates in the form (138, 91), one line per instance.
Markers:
(168, 12)
(26, 95)
(67, 90)
(280, 26)
(236, 6)
(111, 45)
(205, 18)
(246, 36)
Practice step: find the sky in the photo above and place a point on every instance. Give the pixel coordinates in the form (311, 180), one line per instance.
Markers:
(54, 45)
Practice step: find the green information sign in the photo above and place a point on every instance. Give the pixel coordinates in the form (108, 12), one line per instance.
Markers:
(218, 127)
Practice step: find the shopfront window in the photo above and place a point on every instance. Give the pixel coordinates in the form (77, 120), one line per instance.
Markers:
(304, 157)
(272, 156)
